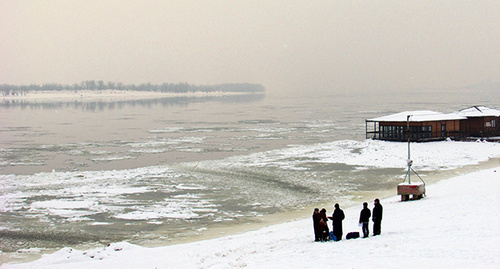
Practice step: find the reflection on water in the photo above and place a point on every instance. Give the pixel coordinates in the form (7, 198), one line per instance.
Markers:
(181, 101)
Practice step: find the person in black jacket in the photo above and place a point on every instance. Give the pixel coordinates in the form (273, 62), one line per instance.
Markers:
(337, 217)
(317, 232)
(364, 219)
(377, 217)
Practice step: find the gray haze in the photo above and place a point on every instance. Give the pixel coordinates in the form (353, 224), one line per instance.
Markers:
(288, 45)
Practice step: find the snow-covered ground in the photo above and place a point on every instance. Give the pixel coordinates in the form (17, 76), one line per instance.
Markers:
(93, 95)
(455, 226)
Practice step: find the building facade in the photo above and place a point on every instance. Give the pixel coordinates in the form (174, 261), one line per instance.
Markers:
(426, 125)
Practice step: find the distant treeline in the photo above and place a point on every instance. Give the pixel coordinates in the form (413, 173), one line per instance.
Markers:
(7, 89)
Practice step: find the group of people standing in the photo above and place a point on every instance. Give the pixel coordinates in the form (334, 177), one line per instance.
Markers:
(320, 221)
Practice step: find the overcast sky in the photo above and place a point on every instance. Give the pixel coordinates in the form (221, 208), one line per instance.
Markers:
(290, 45)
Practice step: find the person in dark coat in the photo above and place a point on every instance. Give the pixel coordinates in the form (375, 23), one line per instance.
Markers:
(315, 217)
(337, 217)
(323, 225)
(364, 219)
(377, 217)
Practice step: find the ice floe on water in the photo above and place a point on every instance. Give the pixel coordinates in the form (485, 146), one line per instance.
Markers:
(377, 154)
(166, 142)
(423, 234)
(113, 158)
(189, 197)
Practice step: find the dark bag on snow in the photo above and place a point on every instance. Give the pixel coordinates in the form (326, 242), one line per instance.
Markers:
(352, 235)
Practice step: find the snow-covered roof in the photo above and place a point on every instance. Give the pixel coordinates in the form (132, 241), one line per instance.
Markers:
(479, 111)
(418, 116)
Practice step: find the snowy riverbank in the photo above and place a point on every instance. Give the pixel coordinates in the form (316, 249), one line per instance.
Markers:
(455, 226)
(101, 95)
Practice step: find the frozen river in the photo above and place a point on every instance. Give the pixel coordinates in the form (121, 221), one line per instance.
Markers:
(161, 171)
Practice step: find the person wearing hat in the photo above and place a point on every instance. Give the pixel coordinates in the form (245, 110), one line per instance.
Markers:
(377, 217)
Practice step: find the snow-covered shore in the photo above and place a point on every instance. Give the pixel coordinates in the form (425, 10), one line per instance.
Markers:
(100, 95)
(454, 226)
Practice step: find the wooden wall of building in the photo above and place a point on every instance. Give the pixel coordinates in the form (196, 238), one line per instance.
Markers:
(481, 126)
(419, 131)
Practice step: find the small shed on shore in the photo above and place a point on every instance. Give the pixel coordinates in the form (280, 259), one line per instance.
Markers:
(481, 121)
(424, 125)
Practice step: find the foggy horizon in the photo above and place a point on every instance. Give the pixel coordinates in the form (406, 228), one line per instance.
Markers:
(325, 46)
